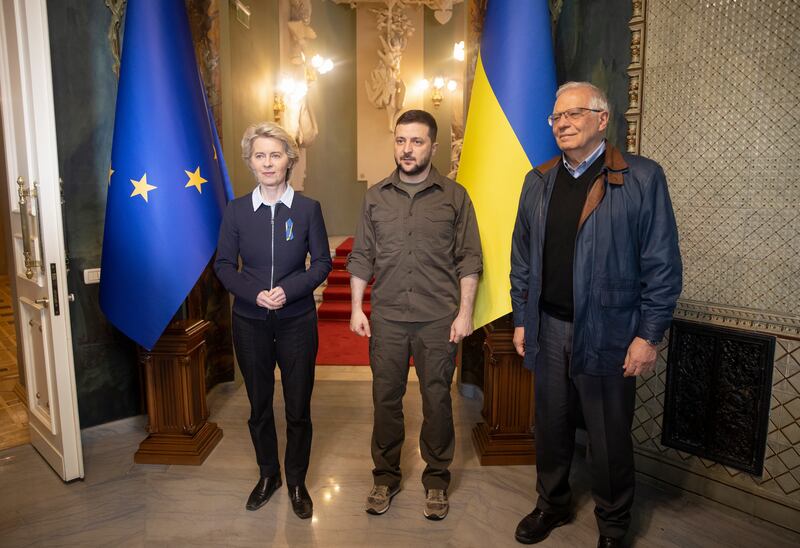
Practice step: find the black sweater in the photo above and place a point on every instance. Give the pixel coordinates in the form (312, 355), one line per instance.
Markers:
(566, 204)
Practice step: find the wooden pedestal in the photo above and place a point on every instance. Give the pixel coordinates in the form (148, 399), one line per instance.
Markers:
(176, 398)
(507, 435)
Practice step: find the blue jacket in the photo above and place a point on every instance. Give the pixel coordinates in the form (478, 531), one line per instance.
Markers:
(272, 254)
(627, 268)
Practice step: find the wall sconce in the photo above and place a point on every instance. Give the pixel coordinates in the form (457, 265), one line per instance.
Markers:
(287, 91)
(439, 84)
(278, 106)
(317, 65)
(321, 64)
(293, 92)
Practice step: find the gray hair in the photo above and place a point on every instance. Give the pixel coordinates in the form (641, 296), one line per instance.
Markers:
(598, 100)
(273, 131)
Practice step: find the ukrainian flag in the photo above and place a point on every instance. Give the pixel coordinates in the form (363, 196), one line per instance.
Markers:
(167, 184)
(506, 134)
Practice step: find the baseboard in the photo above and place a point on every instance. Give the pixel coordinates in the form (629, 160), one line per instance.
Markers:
(663, 473)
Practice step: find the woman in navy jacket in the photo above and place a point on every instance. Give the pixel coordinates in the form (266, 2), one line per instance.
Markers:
(272, 230)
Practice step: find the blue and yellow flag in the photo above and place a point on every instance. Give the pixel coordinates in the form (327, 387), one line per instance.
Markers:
(167, 185)
(506, 134)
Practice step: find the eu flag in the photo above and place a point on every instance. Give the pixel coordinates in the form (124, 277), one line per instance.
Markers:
(506, 134)
(167, 184)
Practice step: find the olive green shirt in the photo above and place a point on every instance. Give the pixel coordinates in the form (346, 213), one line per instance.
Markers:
(416, 248)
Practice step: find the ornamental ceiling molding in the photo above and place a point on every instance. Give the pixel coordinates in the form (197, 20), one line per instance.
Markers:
(442, 9)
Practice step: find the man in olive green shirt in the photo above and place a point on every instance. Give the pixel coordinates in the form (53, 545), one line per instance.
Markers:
(419, 238)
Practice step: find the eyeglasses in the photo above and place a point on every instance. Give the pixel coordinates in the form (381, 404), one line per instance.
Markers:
(570, 115)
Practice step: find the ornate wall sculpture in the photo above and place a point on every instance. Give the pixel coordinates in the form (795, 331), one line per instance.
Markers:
(296, 52)
(385, 87)
(714, 112)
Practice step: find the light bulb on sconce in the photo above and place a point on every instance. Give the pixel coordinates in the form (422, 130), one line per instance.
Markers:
(288, 90)
(439, 84)
(291, 91)
(321, 64)
(458, 51)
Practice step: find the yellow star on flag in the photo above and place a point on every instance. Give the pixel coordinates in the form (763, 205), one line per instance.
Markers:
(195, 180)
(141, 188)
(110, 173)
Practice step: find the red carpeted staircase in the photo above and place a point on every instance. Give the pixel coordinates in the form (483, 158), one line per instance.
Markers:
(336, 296)
(337, 344)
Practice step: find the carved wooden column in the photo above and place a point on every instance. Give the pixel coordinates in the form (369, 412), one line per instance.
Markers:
(507, 435)
(176, 397)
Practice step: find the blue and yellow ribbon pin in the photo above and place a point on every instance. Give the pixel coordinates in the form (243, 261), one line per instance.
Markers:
(289, 230)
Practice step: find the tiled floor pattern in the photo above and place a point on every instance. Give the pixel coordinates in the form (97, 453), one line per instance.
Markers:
(13, 413)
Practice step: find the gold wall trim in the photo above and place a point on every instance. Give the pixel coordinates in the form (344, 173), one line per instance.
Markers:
(771, 323)
(635, 76)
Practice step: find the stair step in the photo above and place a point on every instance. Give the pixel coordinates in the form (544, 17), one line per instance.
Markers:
(338, 310)
(341, 293)
(345, 247)
(339, 277)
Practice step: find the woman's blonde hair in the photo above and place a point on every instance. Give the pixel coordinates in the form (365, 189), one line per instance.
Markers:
(274, 131)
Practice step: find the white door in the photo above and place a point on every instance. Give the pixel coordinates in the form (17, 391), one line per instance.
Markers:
(42, 308)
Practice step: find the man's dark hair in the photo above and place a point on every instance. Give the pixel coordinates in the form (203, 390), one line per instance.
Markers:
(420, 117)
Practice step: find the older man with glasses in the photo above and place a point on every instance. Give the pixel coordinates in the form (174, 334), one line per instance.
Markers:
(595, 276)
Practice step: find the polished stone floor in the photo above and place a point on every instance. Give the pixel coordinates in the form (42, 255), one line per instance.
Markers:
(123, 504)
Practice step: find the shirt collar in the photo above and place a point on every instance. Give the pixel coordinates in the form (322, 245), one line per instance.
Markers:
(433, 178)
(584, 165)
(286, 198)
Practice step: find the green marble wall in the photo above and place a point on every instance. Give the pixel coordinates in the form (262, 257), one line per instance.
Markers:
(84, 90)
(331, 176)
(592, 42)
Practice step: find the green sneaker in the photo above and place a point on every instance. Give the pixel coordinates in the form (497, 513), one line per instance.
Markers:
(436, 505)
(380, 498)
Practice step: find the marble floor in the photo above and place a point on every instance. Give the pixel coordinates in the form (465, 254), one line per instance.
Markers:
(120, 503)
(13, 412)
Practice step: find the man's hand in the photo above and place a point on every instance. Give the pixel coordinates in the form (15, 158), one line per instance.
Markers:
(460, 328)
(519, 340)
(271, 300)
(640, 359)
(359, 324)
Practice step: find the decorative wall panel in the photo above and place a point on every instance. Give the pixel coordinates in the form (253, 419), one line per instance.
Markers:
(721, 91)
(781, 472)
(719, 96)
(718, 394)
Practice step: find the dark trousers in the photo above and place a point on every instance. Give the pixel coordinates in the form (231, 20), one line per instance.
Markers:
(607, 404)
(292, 343)
(391, 345)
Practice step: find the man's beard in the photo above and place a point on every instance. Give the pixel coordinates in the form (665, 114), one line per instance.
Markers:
(417, 169)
